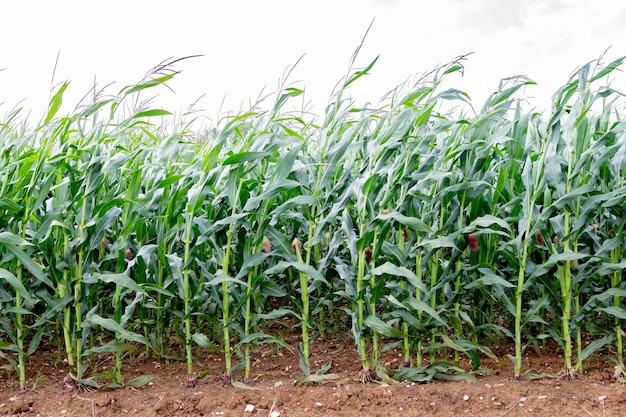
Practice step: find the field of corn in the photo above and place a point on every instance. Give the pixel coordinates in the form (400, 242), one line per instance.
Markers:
(412, 227)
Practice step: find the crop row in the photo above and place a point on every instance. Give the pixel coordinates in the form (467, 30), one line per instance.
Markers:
(430, 231)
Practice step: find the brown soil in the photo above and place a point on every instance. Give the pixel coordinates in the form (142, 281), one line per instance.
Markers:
(596, 393)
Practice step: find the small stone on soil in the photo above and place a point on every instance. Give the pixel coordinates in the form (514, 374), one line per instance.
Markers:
(249, 408)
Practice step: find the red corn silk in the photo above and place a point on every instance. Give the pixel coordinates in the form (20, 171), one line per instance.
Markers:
(473, 242)
(368, 254)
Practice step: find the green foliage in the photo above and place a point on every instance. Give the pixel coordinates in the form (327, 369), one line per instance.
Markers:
(438, 231)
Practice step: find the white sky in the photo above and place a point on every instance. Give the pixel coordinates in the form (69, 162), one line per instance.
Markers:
(248, 44)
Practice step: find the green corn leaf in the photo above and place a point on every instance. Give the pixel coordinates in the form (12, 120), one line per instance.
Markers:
(220, 278)
(175, 263)
(8, 238)
(488, 278)
(300, 200)
(123, 280)
(457, 376)
(242, 385)
(113, 346)
(607, 268)
(280, 243)
(380, 327)
(244, 157)
(151, 113)
(262, 338)
(452, 345)
(30, 265)
(413, 222)
(418, 375)
(275, 314)
(306, 370)
(420, 306)
(285, 164)
(275, 189)
(607, 69)
(149, 287)
(18, 310)
(442, 242)
(251, 262)
(10, 206)
(494, 328)
(618, 312)
(557, 259)
(399, 271)
(359, 74)
(487, 221)
(315, 379)
(113, 326)
(55, 102)
(10, 347)
(53, 308)
(204, 342)
(92, 109)
(139, 381)
(17, 286)
(170, 180)
(86, 382)
(325, 367)
(300, 267)
(228, 220)
(103, 224)
(594, 346)
(148, 84)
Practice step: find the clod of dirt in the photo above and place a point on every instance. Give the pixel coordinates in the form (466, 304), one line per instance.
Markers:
(20, 406)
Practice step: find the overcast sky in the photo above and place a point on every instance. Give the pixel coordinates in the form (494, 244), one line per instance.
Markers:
(247, 45)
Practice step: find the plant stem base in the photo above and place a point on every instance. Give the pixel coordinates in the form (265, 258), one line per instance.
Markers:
(365, 376)
(568, 374)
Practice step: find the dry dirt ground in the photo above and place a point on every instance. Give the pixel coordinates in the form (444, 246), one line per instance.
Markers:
(596, 393)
